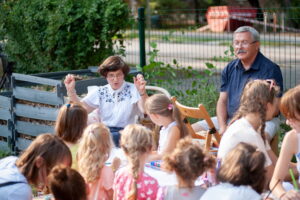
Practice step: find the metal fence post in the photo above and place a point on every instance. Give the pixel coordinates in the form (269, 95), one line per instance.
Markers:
(141, 24)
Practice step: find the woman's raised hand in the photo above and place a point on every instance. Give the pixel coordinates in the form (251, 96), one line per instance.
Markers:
(70, 83)
(140, 84)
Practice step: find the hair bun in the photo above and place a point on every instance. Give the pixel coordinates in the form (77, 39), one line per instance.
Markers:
(60, 173)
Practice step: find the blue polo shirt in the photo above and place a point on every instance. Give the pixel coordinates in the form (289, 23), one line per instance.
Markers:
(235, 77)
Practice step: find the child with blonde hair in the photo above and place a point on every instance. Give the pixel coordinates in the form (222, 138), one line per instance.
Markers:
(258, 103)
(67, 183)
(164, 113)
(242, 175)
(189, 162)
(131, 182)
(94, 149)
(290, 108)
(70, 123)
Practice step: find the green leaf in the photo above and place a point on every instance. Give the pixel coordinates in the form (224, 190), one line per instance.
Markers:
(210, 65)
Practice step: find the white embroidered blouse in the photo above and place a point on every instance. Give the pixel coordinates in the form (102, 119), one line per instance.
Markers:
(117, 108)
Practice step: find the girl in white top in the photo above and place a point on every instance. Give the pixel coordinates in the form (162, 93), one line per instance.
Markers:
(118, 102)
(290, 108)
(164, 113)
(258, 104)
(188, 161)
(242, 175)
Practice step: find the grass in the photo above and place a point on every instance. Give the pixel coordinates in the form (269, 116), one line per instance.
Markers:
(4, 154)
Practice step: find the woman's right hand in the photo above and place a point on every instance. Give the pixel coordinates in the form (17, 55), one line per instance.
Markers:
(291, 195)
(70, 82)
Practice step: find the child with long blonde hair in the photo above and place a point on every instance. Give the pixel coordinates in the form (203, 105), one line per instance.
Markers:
(94, 149)
(131, 182)
(163, 112)
(188, 161)
(290, 108)
(258, 103)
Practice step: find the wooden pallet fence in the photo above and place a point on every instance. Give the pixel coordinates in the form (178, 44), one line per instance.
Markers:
(34, 109)
(5, 122)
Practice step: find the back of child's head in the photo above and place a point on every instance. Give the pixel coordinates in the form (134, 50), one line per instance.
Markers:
(50, 148)
(94, 149)
(71, 121)
(290, 103)
(188, 161)
(136, 140)
(244, 165)
(254, 99)
(67, 184)
(162, 105)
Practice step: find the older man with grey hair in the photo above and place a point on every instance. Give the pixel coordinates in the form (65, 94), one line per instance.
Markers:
(250, 64)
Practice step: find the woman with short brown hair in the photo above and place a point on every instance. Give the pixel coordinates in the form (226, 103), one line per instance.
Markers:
(119, 101)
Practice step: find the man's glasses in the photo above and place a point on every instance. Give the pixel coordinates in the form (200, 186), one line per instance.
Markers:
(243, 43)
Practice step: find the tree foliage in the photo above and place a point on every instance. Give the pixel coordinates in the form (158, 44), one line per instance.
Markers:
(53, 35)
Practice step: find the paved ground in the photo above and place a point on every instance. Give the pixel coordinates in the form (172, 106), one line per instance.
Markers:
(198, 53)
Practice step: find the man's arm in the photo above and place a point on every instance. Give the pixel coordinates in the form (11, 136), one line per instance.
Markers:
(222, 111)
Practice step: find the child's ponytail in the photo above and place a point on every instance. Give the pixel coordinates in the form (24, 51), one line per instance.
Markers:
(179, 121)
(135, 164)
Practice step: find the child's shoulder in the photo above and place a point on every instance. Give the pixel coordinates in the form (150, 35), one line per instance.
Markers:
(292, 135)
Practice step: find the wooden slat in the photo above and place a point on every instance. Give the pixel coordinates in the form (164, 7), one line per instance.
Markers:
(22, 143)
(81, 86)
(42, 113)
(5, 102)
(33, 129)
(4, 114)
(37, 96)
(4, 131)
(35, 79)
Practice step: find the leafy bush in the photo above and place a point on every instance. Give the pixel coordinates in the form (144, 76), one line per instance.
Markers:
(54, 35)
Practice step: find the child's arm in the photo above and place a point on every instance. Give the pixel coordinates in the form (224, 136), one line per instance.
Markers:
(289, 148)
(173, 138)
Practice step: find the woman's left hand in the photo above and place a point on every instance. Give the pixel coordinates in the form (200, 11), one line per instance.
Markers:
(140, 84)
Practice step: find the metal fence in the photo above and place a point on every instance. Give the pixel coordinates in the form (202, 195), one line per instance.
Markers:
(195, 37)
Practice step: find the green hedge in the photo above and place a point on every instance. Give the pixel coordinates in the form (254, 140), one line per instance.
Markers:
(54, 35)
